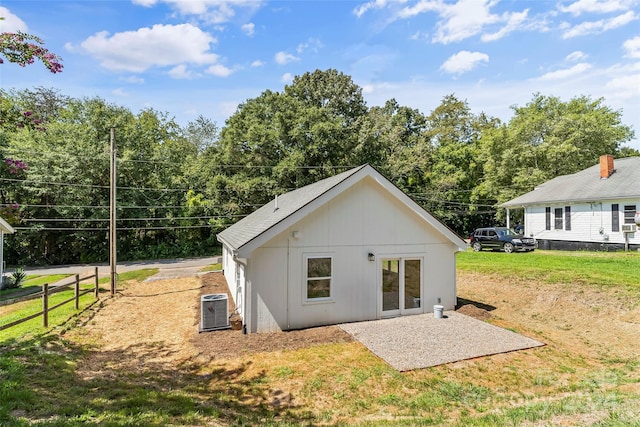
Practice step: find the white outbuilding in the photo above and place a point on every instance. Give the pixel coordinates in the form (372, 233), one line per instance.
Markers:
(5, 228)
(349, 248)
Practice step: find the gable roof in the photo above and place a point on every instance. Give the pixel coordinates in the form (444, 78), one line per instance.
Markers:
(5, 227)
(266, 222)
(586, 186)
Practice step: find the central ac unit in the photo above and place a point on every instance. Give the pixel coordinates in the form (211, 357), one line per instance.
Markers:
(629, 228)
(215, 312)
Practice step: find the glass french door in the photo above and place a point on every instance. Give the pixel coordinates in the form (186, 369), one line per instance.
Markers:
(401, 286)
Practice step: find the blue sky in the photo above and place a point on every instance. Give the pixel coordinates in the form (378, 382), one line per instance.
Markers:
(204, 57)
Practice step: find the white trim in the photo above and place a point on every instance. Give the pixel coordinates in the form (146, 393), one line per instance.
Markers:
(401, 311)
(305, 272)
(5, 227)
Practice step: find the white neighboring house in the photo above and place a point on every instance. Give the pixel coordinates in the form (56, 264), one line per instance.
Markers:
(596, 208)
(349, 248)
(5, 228)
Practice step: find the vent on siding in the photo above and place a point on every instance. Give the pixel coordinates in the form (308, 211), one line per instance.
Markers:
(215, 312)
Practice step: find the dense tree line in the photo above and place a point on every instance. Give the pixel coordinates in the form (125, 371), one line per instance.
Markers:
(178, 186)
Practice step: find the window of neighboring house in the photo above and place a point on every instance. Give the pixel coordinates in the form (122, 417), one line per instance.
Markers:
(629, 213)
(567, 218)
(318, 278)
(547, 212)
(615, 217)
(558, 218)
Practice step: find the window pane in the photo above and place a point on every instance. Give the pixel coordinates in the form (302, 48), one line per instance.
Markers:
(412, 283)
(558, 218)
(319, 267)
(318, 288)
(390, 284)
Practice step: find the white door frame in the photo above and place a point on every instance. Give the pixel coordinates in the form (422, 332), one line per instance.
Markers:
(401, 311)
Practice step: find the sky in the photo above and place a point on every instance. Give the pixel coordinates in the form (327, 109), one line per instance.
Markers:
(205, 57)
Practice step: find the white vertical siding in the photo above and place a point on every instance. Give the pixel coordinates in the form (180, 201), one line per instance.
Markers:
(363, 219)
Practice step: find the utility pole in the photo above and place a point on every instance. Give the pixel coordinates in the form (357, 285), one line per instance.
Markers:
(112, 212)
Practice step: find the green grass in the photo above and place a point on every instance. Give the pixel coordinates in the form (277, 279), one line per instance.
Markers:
(212, 267)
(60, 315)
(33, 283)
(607, 269)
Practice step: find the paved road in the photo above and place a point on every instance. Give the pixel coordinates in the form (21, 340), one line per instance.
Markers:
(168, 268)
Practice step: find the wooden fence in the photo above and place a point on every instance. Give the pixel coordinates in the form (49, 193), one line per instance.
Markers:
(48, 290)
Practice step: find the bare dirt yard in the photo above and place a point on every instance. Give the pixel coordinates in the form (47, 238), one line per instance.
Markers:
(154, 325)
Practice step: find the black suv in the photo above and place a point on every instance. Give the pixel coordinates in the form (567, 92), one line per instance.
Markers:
(500, 238)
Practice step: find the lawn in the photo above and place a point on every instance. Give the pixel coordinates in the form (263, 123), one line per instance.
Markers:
(575, 379)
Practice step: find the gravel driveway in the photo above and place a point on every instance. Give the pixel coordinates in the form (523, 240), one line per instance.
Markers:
(421, 341)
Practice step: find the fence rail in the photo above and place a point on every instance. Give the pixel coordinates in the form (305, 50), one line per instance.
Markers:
(48, 290)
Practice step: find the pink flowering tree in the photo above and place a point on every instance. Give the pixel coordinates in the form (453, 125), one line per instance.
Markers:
(24, 49)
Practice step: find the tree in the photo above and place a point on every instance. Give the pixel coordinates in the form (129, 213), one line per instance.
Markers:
(546, 138)
(24, 49)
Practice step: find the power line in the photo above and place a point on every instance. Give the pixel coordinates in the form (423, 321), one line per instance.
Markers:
(107, 229)
(127, 207)
(127, 219)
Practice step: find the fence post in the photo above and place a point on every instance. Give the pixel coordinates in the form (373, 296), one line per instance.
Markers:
(97, 289)
(45, 305)
(76, 289)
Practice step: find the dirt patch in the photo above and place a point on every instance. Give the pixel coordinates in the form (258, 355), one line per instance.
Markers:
(233, 343)
(597, 323)
(157, 322)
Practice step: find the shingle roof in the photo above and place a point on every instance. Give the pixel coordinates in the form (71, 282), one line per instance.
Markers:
(251, 230)
(265, 217)
(586, 186)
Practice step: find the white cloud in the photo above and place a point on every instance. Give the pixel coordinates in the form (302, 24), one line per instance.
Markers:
(514, 22)
(595, 6)
(133, 80)
(11, 23)
(374, 4)
(574, 71)
(161, 45)
(632, 47)
(575, 56)
(119, 92)
(312, 44)
(180, 72)
(464, 61)
(286, 78)
(219, 70)
(249, 29)
(258, 63)
(213, 11)
(283, 58)
(419, 35)
(597, 27)
(625, 86)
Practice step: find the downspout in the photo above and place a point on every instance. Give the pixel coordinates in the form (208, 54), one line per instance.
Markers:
(246, 313)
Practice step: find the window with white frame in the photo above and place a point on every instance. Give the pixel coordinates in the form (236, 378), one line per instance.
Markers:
(318, 283)
(558, 218)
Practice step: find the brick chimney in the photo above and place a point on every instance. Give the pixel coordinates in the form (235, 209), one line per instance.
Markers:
(606, 166)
